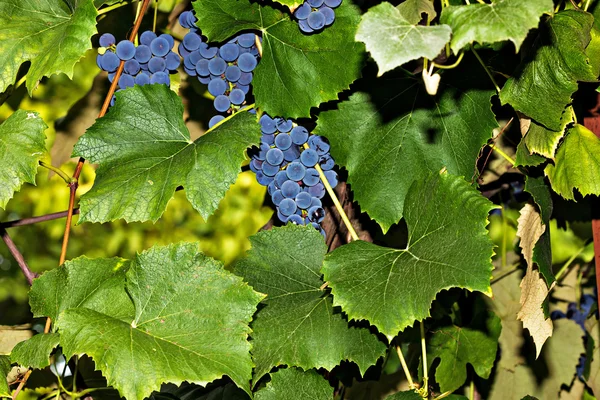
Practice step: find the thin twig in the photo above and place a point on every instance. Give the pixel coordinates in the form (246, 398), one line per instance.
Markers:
(29, 275)
(424, 357)
(22, 384)
(111, 91)
(411, 384)
(65, 177)
(487, 70)
(35, 220)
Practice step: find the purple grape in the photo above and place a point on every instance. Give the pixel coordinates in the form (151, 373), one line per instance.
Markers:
(160, 77)
(156, 64)
(143, 53)
(110, 62)
(147, 37)
(222, 103)
(247, 62)
(107, 39)
(160, 47)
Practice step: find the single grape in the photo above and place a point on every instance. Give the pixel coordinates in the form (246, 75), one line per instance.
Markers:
(314, 201)
(156, 64)
(160, 77)
(107, 39)
(233, 73)
(269, 139)
(329, 15)
(290, 189)
(280, 178)
(217, 87)
(217, 66)
(299, 135)
(208, 52)
(195, 57)
(303, 11)
(237, 96)
(316, 20)
(283, 141)
(311, 177)
(183, 52)
(147, 37)
(202, 68)
(296, 171)
(303, 200)
(126, 81)
(169, 39)
(172, 61)
(277, 197)
(269, 169)
(309, 157)
(284, 125)
(110, 61)
(267, 124)
(274, 156)
(244, 88)
(246, 40)
(333, 3)
(142, 79)
(183, 19)
(282, 217)
(214, 120)
(271, 188)
(131, 67)
(316, 214)
(191, 41)
(160, 47)
(222, 103)
(187, 62)
(326, 162)
(247, 62)
(229, 52)
(245, 78)
(263, 179)
(291, 154)
(287, 207)
(125, 50)
(143, 53)
(331, 178)
(304, 27)
(317, 190)
(296, 219)
(315, 3)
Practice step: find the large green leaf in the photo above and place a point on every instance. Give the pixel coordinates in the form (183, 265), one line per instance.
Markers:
(396, 133)
(4, 370)
(22, 145)
(495, 22)
(97, 284)
(543, 85)
(458, 346)
(296, 71)
(577, 164)
(52, 34)
(392, 288)
(292, 383)
(190, 324)
(297, 326)
(145, 152)
(35, 352)
(393, 38)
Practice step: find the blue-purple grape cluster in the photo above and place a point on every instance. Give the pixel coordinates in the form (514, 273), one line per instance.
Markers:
(288, 170)
(226, 69)
(150, 62)
(314, 15)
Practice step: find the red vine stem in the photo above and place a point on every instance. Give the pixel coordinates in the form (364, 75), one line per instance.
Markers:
(29, 275)
(73, 186)
(35, 220)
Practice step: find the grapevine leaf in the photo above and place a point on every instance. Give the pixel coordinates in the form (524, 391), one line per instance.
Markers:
(292, 383)
(458, 346)
(4, 370)
(495, 22)
(593, 379)
(35, 352)
(190, 324)
(291, 4)
(22, 145)
(534, 290)
(393, 39)
(396, 133)
(544, 141)
(194, 392)
(524, 157)
(577, 164)
(542, 252)
(412, 10)
(545, 81)
(52, 34)
(296, 71)
(97, 284)
(408, 395)
(393, 288)
(145, 152)
(297, 326)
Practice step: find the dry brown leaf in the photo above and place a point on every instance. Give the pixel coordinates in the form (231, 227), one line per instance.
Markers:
(593, 381)
(524, 123)
(11, 335)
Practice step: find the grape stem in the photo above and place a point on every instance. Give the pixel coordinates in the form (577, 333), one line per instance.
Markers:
(424, 357)
(443, 395)
(68, 180)
(487, 70)
(502, 153)
(29, 275)
(450, 66)
(335, 200)
(411, 384)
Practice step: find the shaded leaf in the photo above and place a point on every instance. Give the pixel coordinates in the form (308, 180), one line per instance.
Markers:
(292, 383)
(392, 288)
(145, 152)
(297, 327)
(4, 370)
(544, 141)
(408, 395)
(542, 252)
(526, 158)
(52, 34)
(577, 164)
(543, 85)
(35, 352)
(22, 145)
(395, 133)
(393, 39)
(296, 71)
(495, 22)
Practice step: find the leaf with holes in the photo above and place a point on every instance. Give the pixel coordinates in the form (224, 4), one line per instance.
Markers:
(394, 38)
(22, 145)
(393, 133)
(495, 22)
(53, 35)
(145, 152)
(298, 327)
(296, 71)
(292, 383)
(174, 334)
(392, 288)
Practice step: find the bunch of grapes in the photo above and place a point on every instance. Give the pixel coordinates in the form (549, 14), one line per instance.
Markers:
(150, 62)
(226, 69)
(314, 15)
(287, 168)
